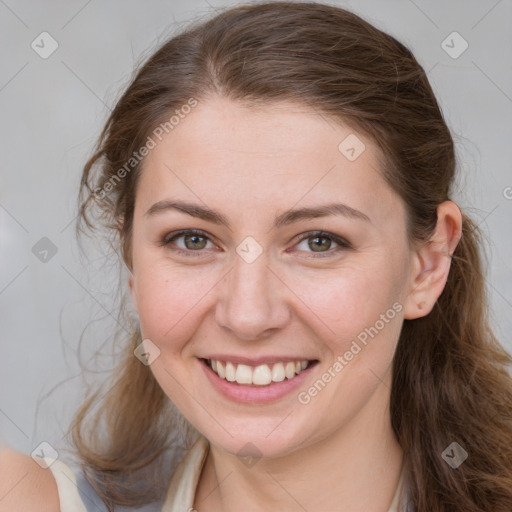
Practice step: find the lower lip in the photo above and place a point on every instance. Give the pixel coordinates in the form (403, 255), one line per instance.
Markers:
(251, 394)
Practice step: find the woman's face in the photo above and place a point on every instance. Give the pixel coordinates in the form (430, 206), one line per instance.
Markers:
(256, 284)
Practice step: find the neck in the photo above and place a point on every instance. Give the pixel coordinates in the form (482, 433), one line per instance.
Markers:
(355, 468)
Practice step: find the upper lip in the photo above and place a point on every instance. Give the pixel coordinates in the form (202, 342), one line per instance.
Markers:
(256, 361)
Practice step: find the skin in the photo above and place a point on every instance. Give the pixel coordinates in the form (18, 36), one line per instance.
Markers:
(24, 485)
(337, 452)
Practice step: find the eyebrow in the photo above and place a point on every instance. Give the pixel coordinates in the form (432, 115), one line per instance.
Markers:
(284, 219)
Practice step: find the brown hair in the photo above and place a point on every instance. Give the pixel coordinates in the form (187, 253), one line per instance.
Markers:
(450, 378)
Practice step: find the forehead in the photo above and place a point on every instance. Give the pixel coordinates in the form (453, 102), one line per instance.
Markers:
(257, 159)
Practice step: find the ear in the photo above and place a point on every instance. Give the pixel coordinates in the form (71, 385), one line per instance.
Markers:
(432, 261)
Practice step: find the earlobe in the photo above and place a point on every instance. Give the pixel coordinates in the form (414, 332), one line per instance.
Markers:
(432, 262)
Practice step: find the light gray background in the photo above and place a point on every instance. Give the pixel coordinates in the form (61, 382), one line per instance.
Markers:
(53, 109)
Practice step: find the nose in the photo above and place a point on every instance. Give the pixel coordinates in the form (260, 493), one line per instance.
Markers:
(252, 302)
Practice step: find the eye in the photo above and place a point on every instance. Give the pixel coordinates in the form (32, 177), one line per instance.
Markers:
(321, 240)
(194, 240)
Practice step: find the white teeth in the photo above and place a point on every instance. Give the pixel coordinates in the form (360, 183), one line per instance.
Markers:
(230, 372)
(278, 372)
(261, 375)
(289, 370)
(221, 370)
(243, 374)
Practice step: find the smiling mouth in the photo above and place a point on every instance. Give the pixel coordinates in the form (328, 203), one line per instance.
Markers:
(261, 375)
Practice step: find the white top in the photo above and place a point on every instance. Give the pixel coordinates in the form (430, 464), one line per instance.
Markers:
(75, 493)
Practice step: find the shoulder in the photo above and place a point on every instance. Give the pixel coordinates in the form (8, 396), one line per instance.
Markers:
(24, 485)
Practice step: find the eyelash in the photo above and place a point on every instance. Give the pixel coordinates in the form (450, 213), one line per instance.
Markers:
(171, 237)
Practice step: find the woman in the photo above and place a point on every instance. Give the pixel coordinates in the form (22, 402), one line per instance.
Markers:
(363, 378)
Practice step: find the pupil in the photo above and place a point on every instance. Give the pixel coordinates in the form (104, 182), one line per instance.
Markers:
(320, 238)
(194, 237)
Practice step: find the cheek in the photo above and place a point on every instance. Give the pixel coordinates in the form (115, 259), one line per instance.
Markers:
(359, 314)
(362, 310)
(349, 299)
(169, 299)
